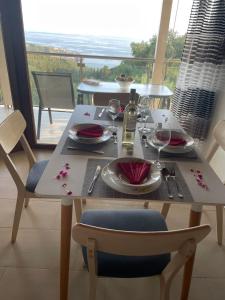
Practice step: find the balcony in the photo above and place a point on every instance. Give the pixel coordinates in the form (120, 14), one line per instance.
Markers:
(104, 68)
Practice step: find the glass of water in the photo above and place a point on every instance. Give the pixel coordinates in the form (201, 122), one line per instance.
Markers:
(159, 139)
(113, 110)
(143, 105)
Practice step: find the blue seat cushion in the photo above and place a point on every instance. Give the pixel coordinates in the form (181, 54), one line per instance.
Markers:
(35, 174)
(110, 265)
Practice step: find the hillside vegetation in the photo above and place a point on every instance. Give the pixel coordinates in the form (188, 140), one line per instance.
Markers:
(139, 70)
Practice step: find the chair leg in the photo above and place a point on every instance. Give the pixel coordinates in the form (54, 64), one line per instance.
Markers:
(26, 203)
(219, 220)
(17, 216)
(146, 204)
(50, 115)
(165, 209)
(164, 290)
(39, 123)
(92, 286)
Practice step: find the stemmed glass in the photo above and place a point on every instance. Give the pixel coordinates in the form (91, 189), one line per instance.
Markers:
(114, 110)
(159, 139)
(143, 105)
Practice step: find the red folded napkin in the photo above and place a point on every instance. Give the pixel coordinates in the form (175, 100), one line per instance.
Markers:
(175, 140)
(135, 172)
(91, 131)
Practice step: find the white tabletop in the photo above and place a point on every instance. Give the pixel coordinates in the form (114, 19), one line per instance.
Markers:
(153, 90)
(52, 187)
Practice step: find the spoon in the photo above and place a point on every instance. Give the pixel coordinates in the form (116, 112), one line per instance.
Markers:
(166, 175)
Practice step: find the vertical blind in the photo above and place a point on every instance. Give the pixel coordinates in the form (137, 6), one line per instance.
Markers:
(202, 71)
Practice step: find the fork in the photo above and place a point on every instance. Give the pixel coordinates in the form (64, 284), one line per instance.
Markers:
(144, 139)
(114, 137)
(173, 176)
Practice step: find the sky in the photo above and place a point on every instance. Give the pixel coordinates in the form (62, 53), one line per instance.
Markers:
(137, 19)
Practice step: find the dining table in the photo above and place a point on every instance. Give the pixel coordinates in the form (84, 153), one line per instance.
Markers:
(78, 167)
(100, 88)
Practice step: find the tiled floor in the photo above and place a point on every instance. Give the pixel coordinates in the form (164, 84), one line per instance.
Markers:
(29, 269)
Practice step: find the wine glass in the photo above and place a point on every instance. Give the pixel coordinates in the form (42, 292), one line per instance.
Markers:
(143, 105)
(114, 110)
(159, 139)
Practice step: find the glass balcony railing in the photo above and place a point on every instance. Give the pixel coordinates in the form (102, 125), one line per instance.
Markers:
(104, 68)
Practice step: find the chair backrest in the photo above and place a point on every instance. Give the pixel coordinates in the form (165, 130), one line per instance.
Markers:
(103, 99)
(55, 90)
(140, 244)
(137, 243)
(219, 139)
(12, 132)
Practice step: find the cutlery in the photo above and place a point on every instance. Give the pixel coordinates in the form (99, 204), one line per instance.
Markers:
(114, 137)
(85, 150)
(144, 139)
(97, 172)
(101, 113)
(173, 176)
(166, 175)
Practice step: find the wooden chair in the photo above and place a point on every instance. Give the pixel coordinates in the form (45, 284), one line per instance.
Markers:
(12, 132)
(129, 244)
(219, 141)
(55, 90)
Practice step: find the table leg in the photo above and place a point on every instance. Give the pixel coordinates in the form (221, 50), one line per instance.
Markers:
(194, 220)
(66, 222)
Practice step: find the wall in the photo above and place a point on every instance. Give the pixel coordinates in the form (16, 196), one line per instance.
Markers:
(218, 161)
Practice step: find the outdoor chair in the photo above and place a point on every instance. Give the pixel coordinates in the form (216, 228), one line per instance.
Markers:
(134, 243)
(55, 90)
(12, 132)
(219, 141)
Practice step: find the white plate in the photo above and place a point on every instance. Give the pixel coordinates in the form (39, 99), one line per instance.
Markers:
(111, 176)
(178, 149)
(107, 134)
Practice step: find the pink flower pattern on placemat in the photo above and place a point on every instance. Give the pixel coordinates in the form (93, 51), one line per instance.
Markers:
(63, 174)
(199, 179)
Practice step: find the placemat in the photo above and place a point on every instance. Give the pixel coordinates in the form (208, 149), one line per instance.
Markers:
(151, 153)
(102, 190)
(105, 116)
(109, 148)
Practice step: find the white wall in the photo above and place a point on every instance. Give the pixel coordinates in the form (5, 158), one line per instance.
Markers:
(218, 161)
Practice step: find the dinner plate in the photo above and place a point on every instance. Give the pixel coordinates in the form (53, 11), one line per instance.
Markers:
(107, 134)
(111, 176)
(189, 146)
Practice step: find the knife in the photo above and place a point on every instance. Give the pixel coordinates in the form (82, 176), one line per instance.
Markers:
(97, 172)
(101, 113)
(85, 150)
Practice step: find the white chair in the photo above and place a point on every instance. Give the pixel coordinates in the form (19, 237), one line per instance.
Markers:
(134, 243)
(12, 132)
(55, 90)
(219, 141)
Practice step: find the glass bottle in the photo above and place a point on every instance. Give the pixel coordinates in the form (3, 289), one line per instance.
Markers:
(129, 121)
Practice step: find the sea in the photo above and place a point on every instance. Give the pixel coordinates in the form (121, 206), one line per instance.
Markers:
(85, 44)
